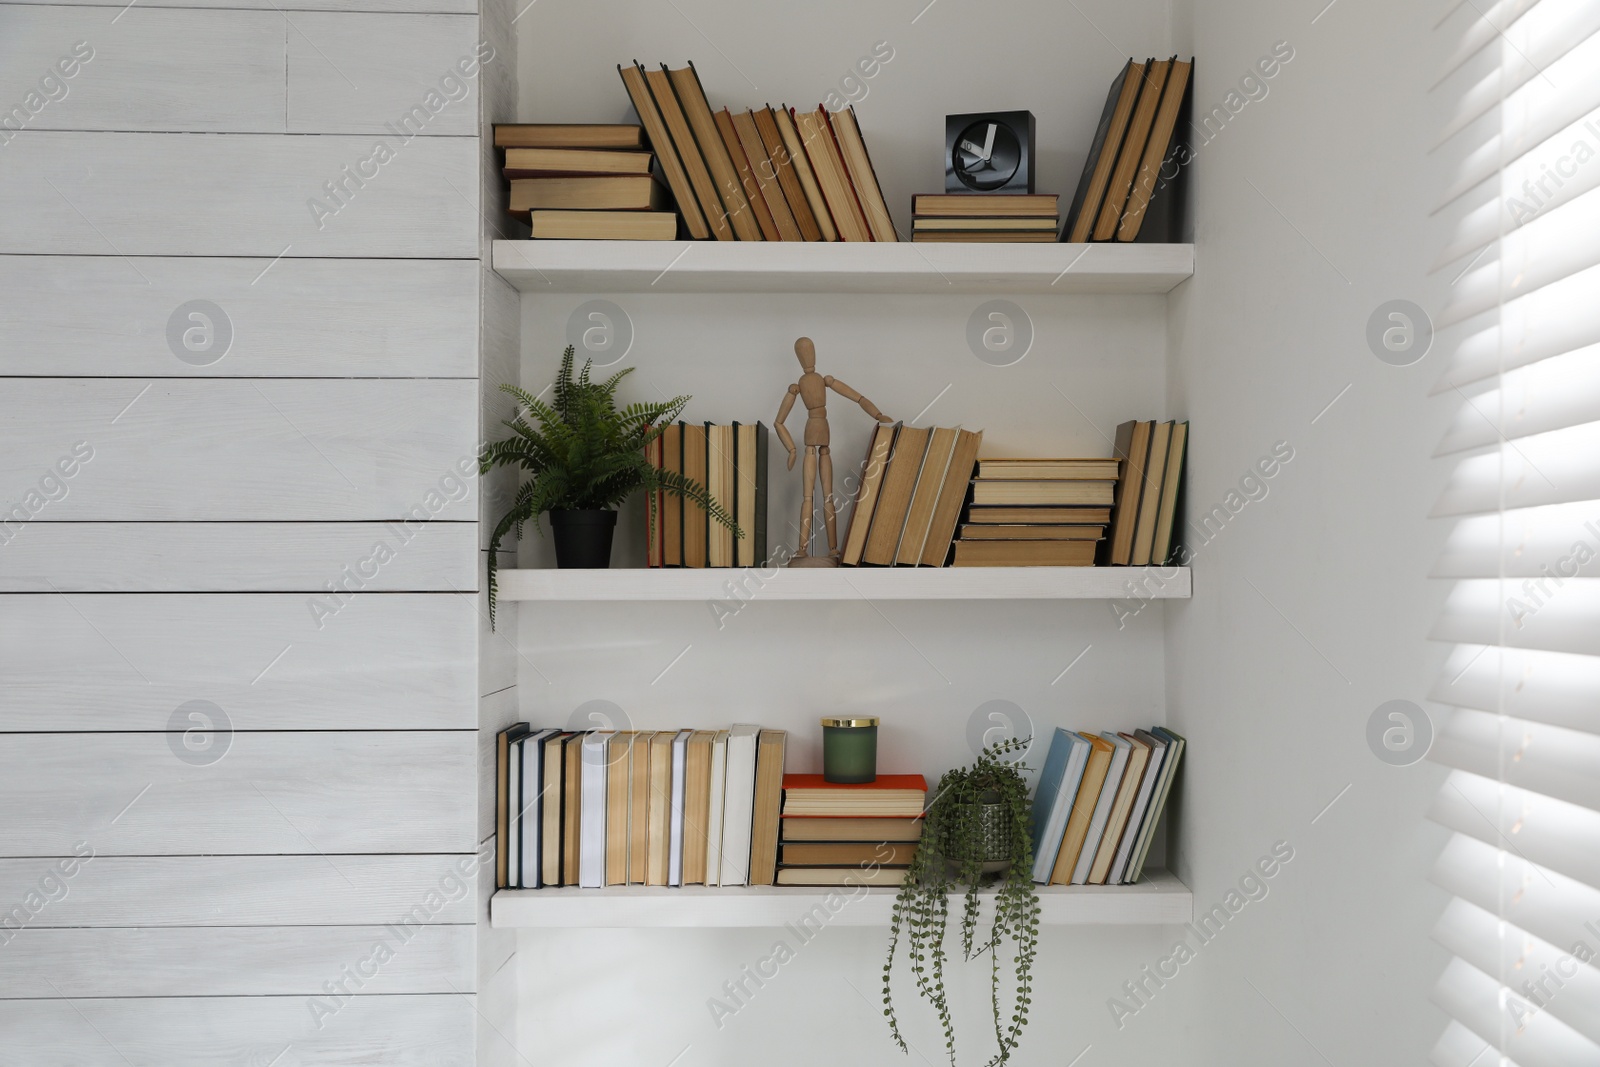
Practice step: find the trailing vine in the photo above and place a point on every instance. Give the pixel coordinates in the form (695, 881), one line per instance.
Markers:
(957, 842)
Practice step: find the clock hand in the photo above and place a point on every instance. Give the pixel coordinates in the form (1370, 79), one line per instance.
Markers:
(988, 143)
(974, 149)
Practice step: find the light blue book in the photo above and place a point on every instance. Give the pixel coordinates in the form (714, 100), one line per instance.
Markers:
(1052, 801)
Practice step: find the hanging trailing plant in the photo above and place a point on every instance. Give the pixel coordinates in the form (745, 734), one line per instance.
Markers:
(977, 829)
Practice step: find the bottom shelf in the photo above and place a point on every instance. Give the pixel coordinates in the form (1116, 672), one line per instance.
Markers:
(1160, 899)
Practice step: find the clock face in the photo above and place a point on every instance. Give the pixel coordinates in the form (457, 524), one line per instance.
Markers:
(986, 155)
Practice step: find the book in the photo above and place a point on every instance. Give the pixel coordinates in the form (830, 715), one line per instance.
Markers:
(1132, 151)
(1052, 799)
(1141, 804)
(502, 811)
(571, 806)
(680, 788)
(618, 767)
(1040, 515)
(1083, 805)
(816, 136)
(1156, 149)
(629, 193)
(514, 812)
(995, 225)
(720, 481)
(714, 807)
(568, 135)
(952, 496)
(696, 805)
(768, 803)
(744, 174)
(666, 152)
(795, 152)
(894, 498)
(603, 225)
(983, 205)
(890, 795)
(786, 174)
(1001, 532)
(1158, 802)
(846, 876)
(858, 164)
(530, 846)
(545, 162)
(765, 174)
(592, 828)
(750, 494)
(1035, 492)
(985, 237)
(842, 853)
(1171, 486)
(1144, 531)
(1132, 446)
(919, 516)
(850, 828)
(695, 520)
(872, 471)
(1120, 750)
(704, 193)
(659, 809)
(672, 504)
(1121, 808)
(550, 811)
(654, 535)
(1025, 553)
(1069, 469)
(692, 97)
(738, 804)
(1102, 155)
(639, 807)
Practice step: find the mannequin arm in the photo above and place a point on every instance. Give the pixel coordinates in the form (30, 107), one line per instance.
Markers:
(850, 394)
(778, 423)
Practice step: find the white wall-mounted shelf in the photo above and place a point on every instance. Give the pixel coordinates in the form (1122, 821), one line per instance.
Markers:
(1160, 899)
(837, 267)
(848, 583)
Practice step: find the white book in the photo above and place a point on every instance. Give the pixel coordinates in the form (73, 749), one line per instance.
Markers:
(719, 777)
(1102, 810)
(514, 804)
(592, 810)
(680, 755)
(1141, 803)
(738, 807)
(530, 839)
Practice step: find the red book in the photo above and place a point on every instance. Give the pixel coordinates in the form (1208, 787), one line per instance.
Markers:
(890, 795)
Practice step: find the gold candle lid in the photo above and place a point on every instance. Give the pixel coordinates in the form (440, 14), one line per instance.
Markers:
(865, 721)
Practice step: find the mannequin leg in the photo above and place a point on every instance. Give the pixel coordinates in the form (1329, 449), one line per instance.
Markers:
(810, 479)
(830, 512)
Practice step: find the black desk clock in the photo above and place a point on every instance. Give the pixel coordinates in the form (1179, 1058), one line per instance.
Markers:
(989, 152)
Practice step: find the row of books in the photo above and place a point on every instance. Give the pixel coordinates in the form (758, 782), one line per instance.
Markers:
(985, 218)
(913, 487)
(1098, 803)
(607, 807)
(1122, 174)
(1145, 516)
(1065, 505)
(870, 830)
(731, 462)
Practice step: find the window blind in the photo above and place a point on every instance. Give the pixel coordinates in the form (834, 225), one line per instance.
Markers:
(1521, 686)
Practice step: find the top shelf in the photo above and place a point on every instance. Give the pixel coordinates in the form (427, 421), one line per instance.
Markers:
(837, 267)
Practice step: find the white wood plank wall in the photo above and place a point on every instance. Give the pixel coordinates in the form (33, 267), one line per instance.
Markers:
(239, 551)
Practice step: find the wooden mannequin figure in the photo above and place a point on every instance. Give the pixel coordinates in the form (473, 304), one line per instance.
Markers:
(812, 389)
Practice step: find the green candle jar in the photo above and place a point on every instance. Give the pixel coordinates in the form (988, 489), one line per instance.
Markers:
(850, 750)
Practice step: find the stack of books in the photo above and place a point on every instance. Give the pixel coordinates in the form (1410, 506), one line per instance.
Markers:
(1098, 803)
(984, 218)
(585, 182)
(731, 462)
(862, 834)
(1122, 175)
(656, 808)
(913, 485)
(777, 174)
(1145, 515)
(1037, 512)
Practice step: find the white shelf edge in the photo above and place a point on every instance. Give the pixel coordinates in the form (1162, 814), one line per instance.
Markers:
(847, 583)
(838, 267)
(1160, 899)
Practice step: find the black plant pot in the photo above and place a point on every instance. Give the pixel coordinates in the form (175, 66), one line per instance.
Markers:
(583, 538)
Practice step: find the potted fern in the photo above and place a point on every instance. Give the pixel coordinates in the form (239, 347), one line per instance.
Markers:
(975, 832)
(585, 456)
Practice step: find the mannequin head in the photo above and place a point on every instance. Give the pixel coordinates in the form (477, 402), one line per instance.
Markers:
(806, 352)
